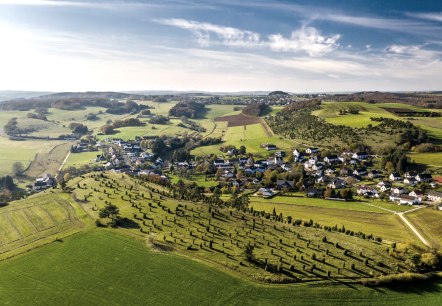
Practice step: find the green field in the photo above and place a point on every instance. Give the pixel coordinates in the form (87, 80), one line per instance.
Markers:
(80, 159)
(387, 226)
(430, 159)
(330, 112)
(251, 136)
(428, 221)
(299, 199)
(101, 267)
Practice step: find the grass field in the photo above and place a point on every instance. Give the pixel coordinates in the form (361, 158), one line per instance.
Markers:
(22, 151)
(330, 112)
(80, 159)
(430, 159)
(251, 136)
(355, 205)
(387, 226)
(428, 221)
(101, 267)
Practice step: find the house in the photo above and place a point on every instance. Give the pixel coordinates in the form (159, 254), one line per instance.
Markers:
(394, 176)
(434, 196)
(286, 167)
(410, 181)
(312, 150)
(360, 172)
(424, 177)
(407, 200)
(218, 163)
(374, 174)
(44, 182)
(417, 194)
(270, 147)
(265, 192)
(344, 171)
(394, 197)
(329, 172)
(367, 192)
(280, 154)
(314, 192)
(360, 155)
(410, 174)
(331, 159)
(336, 184)
(399, 190)
(284, 184)
(297, 153)
(384, 186)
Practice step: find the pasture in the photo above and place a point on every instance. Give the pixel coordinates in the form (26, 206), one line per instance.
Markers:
(104, 267)
(48, 162)
(433, 160)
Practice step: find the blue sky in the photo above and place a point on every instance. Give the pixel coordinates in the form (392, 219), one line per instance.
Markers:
(224, 45)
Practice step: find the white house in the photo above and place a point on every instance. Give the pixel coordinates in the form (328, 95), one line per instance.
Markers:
(417, 194)
(424, 177)
(410, 181)
(312, 150)
(394, 176)
(399, 190)
(407, 200)
(435, 196)
(360, 155)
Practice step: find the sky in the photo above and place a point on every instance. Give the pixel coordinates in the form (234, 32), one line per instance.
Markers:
(221, 45)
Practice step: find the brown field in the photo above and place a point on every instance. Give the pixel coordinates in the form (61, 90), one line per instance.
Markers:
(48, 162)
(238, 120)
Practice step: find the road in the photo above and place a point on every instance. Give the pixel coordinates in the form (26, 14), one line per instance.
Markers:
(415, 231)
(407, 223)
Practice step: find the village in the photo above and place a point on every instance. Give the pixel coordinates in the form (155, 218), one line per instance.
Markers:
(308, 172)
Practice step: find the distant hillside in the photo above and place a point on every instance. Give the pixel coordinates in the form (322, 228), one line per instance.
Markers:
(428, 100)
(6, 95)
(279, 93)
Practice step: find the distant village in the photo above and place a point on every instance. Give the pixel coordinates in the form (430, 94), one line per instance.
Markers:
(339, 177)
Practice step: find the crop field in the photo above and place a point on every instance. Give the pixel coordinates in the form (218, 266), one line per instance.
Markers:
(428, 221)
(239, 120)
(48, 162)
(34, 220)
(82, 270)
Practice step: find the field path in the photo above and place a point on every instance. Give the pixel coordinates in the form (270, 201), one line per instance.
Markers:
(415, 231)
(64, 162)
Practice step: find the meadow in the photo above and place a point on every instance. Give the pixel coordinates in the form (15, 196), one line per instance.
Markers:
(428, 222)
(104, 267)
(81, 159)
(330, 112)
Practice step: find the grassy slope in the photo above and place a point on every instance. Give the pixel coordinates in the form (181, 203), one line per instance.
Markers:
(80, 159)
(101, 267)
(330, 112)
(387, 226)
(428, 221)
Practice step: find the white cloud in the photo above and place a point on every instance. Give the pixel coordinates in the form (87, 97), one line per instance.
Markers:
(203, 31)
(427, 16)
(306, 39)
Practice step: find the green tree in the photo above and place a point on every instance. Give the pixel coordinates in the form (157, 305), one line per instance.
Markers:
(248, 252)
(17, 168)
(109, 211)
